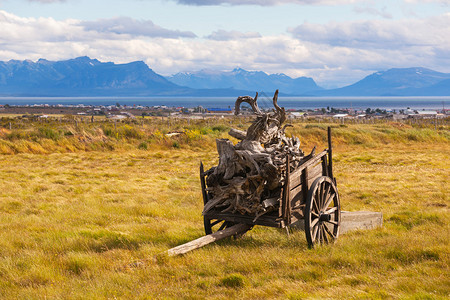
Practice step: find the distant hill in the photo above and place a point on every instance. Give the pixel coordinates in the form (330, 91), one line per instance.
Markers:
(245, 80)
(397, 82)
(82, 76)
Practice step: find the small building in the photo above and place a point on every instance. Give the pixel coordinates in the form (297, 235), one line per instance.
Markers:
(340, 116)
(117, 117)
(424, 114)
(399, 116)
(296, 115)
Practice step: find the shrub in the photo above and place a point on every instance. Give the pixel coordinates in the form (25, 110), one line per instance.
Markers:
(143, 146)
(233, 281)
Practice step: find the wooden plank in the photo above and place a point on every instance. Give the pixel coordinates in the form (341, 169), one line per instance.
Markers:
(297, 213)
(313, 173)
(360, 220)
(208, 239)
(296, 195)
(353, 220)
(295, 176)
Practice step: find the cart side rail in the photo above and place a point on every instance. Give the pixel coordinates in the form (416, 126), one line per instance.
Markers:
(295, 177)
(298, 184)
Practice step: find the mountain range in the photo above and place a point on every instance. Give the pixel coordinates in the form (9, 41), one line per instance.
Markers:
(244, 80)
(84, 76)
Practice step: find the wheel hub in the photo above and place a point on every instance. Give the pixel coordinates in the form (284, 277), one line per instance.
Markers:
(324, 217)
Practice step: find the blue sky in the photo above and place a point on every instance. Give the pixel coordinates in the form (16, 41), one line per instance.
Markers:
(335, 42)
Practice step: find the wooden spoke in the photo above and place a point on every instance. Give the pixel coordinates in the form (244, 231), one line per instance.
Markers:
(209, 224)
(331, 210)
(333, 222)
(316, 208)
(314, 214)
(314, 222)
(324, 233)
(317, 200)
(315, 231)
(318, 234)
(328, 190)
(328, 202)
(216, 222)
(329, 232)
(321, 195)
(224, 224)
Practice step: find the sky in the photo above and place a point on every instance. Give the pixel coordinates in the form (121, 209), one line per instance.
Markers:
(336, 42)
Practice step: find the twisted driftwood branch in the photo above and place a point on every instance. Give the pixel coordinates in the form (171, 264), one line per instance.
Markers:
(250, 174)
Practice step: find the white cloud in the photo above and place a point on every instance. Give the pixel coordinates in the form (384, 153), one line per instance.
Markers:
(378, 34)
(126, 25)
(268, 2)
(373, 11)
(223, 35)
(335, 53)
(47, 1)
(264, 2)
(443, 2)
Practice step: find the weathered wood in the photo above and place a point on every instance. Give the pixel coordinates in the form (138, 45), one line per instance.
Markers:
(203, 184)
(324, 166)
(295, 176)
(353, 220)
(360, 220)
(236, 133)
(313, 172)
(208, 239)
(296, 194)
(254, 169)
(249, 100)
(286, 197)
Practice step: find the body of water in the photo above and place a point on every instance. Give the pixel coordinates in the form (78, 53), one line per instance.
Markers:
(418, 103)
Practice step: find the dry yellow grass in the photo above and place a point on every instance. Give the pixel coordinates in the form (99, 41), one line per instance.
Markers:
(88, 224)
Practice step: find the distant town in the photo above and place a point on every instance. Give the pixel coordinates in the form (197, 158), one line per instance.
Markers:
(119, 111)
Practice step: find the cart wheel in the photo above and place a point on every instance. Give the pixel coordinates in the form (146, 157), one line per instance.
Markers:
(322, 212)
(213, 225)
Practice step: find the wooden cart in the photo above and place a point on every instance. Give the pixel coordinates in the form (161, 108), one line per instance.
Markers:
(309, 200)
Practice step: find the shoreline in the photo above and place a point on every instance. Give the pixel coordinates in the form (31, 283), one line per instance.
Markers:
(298, 103)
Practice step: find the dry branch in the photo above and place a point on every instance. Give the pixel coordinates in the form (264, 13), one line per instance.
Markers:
(250, 174)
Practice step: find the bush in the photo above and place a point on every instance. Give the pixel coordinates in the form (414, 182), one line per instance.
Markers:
(233, 281)
(143, 146)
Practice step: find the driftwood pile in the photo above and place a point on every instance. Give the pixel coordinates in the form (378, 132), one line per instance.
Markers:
(250, 174)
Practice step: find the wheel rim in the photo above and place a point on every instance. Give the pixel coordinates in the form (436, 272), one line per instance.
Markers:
(322, 212)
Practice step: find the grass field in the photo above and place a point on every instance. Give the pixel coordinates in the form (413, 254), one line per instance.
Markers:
(84, 210)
